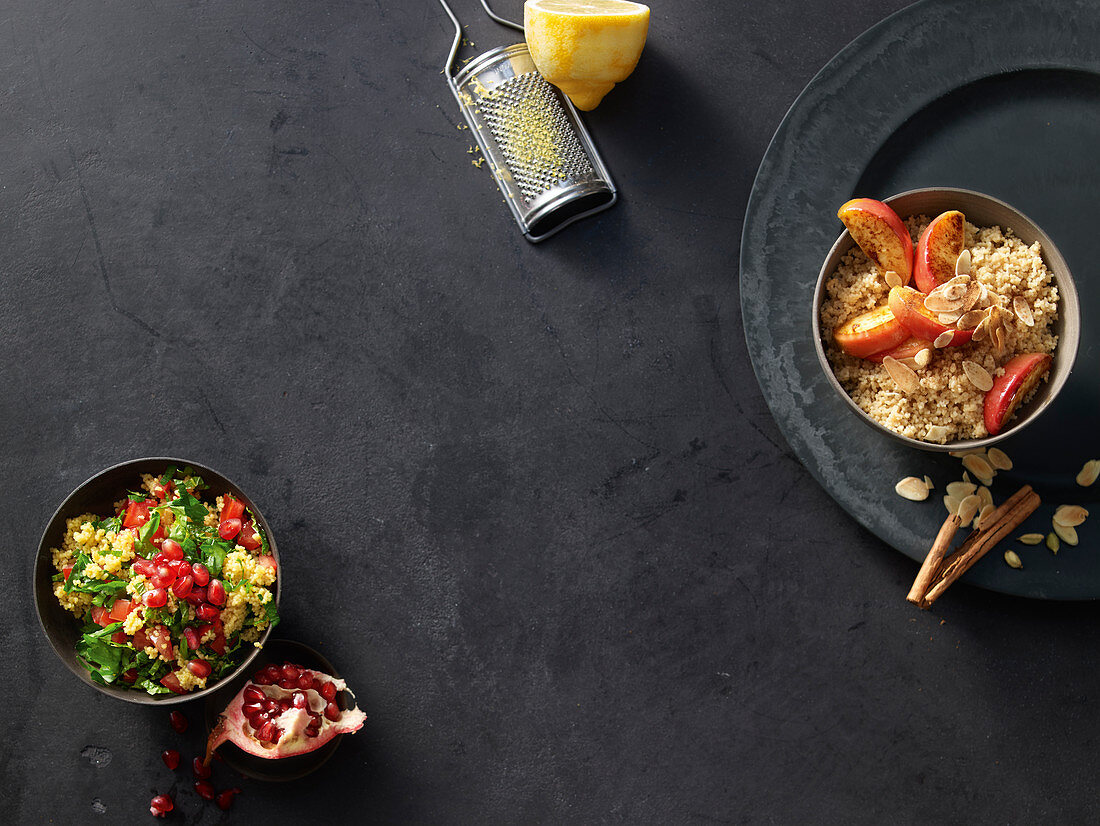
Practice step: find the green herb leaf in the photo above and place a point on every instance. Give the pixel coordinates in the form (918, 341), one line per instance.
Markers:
(82, 562)
(213, 555)
(191, 507)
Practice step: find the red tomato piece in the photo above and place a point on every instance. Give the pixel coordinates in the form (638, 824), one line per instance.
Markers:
(137, 514)
(172, 683)
(121, 609)
(232, 508)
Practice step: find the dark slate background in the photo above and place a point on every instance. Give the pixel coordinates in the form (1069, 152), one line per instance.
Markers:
(529, 499)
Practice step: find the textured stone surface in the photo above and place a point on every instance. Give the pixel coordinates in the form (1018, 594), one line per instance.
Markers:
(530, 500)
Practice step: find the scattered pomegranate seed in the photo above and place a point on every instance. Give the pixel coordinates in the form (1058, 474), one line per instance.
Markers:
(299, 700)
(229, 528)
(291, 672)
(207, 612)
(178, 721)
(182, 586)
(267, 732)
(328, 691)
(215, 592)
(205, 789)
(253, 695)
(157, 598)
(161, 805)
(305, 681)
(192, 637)
(287, 684)
(200, 668)
(130, 676)
(171, 549)
(200, 769)
(225, 799)
(200, 573)
(171, 758)
(332, 712)
(197, 596)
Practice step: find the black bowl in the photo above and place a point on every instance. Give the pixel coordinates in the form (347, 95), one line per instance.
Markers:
(284, 768)
(98, 496)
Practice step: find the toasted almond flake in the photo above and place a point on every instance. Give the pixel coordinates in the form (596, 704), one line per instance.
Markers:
(1023, 311)
(892, 279)
(981, 332)
(974, 451)
(984, 297)
(1089, 473)
(1066, 533)
(943, 339)
(936, 433)
(903, 376)
(962, 263)
(912, 488)
(997, 336)
(968, 508)
(1013, 559)
(923, 357)
(951, 503)
(1053, 543)
(928, 482)
(961, 489)
(1031, 538)
(983, 514)
(973, 295)
(1070, 516)
(970, 320)
(978, 375)
(940, 303)
(999, 459)
(981, 468)
(911, 363)
(948, 319)
(985, 495)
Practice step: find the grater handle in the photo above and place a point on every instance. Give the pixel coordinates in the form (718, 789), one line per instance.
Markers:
(449, 66)
(499, 19)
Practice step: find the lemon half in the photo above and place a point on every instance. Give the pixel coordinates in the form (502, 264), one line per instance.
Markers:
(585, 47)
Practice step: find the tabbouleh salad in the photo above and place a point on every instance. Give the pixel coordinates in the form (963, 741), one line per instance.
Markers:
(170, 589)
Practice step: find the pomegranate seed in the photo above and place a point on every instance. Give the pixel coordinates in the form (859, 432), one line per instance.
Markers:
(161, 805)
(130, 676)
(225, 799)
(250, 710)
(316, 684)
(267, 732)
(271, 704)
(200, 668)
(157, 598)
(171, 758)
(158, 560)
(207, 612)
(200, 573)
(197, 596)
(262, 678)
(215, 592)
(253, 695)
(287, 684)
(284, 705)
(171, 549)
(182, 587)
(305, 681)
(299, 700)
(229, 528)
(205, 789)
(311, 731)
(143, 567)
(164, 576)
(178, 721)
(200, 769)
(192, 637)
(328, 691)
(291, 672)
(332, 712)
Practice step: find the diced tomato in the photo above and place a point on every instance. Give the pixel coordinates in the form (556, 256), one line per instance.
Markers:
(172, 683)
(229, 528)
(68, 569)
(137, 514)
(218, 642)
(164, 492)
(129, 676)
(249, 539)
(141, 639)
(121, 609)
(100, 615)
(119, 637)
(267, 560)
(162, 641)
(232, 508)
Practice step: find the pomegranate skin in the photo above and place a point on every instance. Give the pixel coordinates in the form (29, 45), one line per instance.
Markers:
(292, 722)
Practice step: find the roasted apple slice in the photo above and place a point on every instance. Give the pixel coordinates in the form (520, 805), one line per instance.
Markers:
(1022, 375)
(938, 249)
(881, 234)
(908, 349)
(907, 305)
(872, 332)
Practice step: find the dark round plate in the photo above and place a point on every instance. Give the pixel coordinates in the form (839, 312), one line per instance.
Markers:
(286, 768)
(1001, 98)
(98, 495)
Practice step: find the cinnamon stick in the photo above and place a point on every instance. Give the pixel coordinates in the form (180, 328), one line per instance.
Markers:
(1007, 518)
(931, 566)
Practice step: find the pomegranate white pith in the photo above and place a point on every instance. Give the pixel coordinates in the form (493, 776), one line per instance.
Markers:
(283, 711)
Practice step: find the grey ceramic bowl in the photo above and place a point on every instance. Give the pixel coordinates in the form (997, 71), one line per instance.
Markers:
(983, 211)
(98, 495)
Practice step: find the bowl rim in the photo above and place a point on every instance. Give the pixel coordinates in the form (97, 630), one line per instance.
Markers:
(128, 695)
(1065, 353)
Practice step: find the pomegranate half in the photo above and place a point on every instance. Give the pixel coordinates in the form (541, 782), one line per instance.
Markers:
(283, 711)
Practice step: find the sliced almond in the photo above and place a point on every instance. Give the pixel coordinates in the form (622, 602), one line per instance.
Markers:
(961, 489)
(1089, 473)
(981, 332)
(928, 481)
(968, 508)
(936, 433)
(1031, 538)
(948, 319)
(910, 362)
(1066, 533)
(1053, 543)
(979, 467)
(1023, 311)
(1013, 559)
(903, 376)
(912, 488)
(970, 320)
(943, 339)
(986, 496)
(999, 459)
(962, 263)
(1070, 516)
(923, 357)
(974, 292)
(983, 514)
(892, 279)
(958, 454)
(978, 375)
(941, 303)
(952, 504)
(984, 297)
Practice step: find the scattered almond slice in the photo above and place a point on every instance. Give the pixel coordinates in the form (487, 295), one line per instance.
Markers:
(978, 375)
(892, 279)
(1023, 311)
(923, 357)
(983, 514)
(986, 496)
(1089, 473)
(979, 467)
(1031, 538)
(971, 319)
(961, 489)
(962, 263)
(903, 376)
(1070, 516)
(943, 339)
(912, 488)
(968, 508)
(998, 459)
(1066, 533)
(974, 292)
(941, 303)
(928, 481)
(948, 319)
(952, 503)
(981, 332)
(1013, 559)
